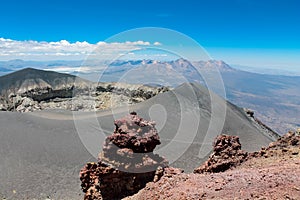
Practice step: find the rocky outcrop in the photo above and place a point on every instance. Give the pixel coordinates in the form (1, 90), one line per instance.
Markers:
(52, 90)
(260, 125)
(131, 90)
(287, 144)
(127, 161)
(18, 103)
(271, 173)
(3, 104)
(63, 99)
(45, 94)
(227, 154)
(291, 139)
(74, 99)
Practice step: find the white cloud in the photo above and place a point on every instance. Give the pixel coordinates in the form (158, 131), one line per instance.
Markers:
(36, 50)
(139, 43)
(66, 69)
(157, 44)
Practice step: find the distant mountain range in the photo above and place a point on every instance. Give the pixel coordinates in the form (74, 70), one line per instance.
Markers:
(274, 98)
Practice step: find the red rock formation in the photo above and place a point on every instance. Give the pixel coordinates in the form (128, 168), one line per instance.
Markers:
(287, 140)
(227, 153)
(271, 173)
(134, 133)
(127, 162)
(288, 143)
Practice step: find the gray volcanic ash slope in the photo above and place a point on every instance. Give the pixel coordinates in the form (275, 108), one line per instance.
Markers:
(274, 98)
(29, 78)
(23, 90)
(190, 106)
(42, 152)
(40, 158)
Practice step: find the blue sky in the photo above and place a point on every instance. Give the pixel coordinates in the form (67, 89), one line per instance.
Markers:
(237, 31)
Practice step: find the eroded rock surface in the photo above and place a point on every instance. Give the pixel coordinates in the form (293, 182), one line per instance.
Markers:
(227, 153)
(96, 96)
(287, 144)
(271, 173)
(127, 161)
(19, 104)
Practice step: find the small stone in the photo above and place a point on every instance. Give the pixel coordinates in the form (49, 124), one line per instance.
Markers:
(296, 188)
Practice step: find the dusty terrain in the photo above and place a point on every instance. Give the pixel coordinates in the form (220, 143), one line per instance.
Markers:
(272, 173)
(228, 173)
(42, 152)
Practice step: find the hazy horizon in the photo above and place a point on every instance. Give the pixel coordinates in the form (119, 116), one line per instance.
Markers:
(79, 51)
(69, 66)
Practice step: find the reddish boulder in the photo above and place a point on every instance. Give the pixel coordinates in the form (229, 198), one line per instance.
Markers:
(226, 154)
(134, 133)
(127, 162)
